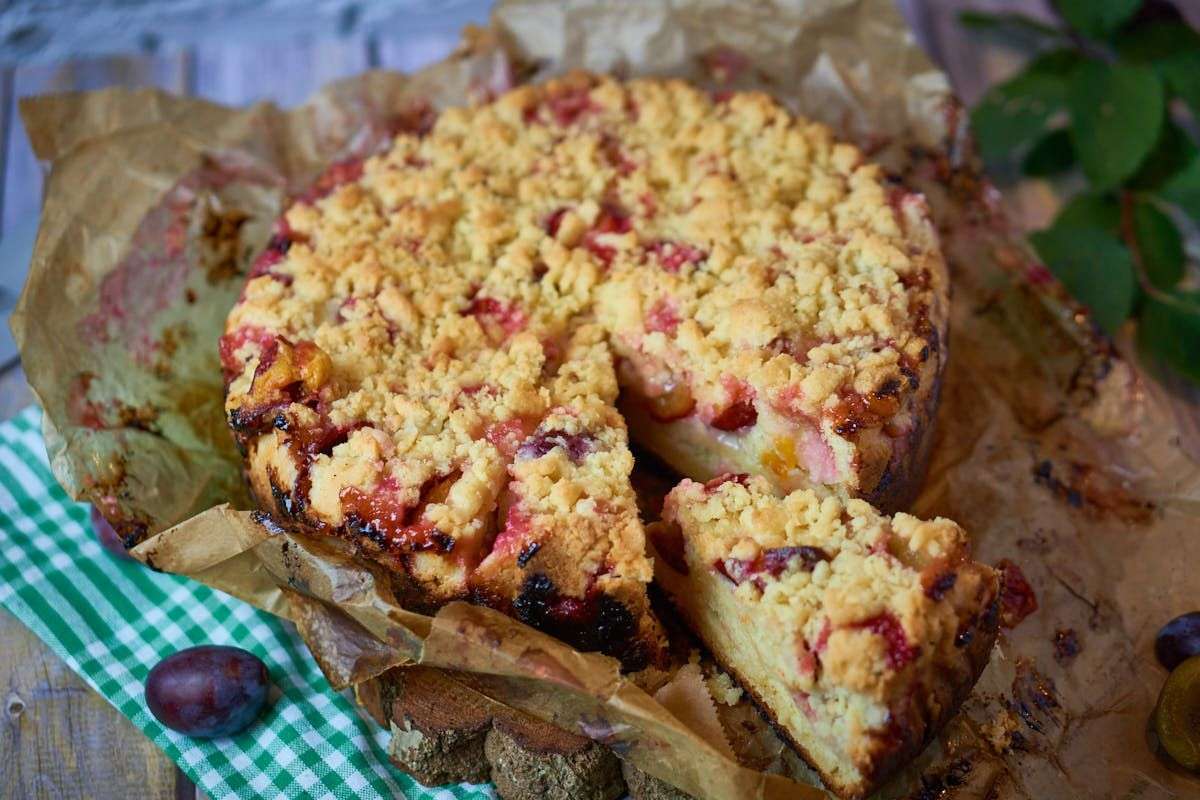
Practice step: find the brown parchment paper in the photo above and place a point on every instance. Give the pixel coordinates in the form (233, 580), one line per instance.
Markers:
(1056, 454)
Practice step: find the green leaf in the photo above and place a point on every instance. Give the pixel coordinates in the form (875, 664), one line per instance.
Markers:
(1116, 114)
(1156, 40)
(1014, 112)
(1184, 188)
(1016, 22)
(1170, 332)
(1050, 155)
(1172, 152)
(1091, 210)
(1159, 244)
(1182, 74)
(1096, 18)
(1094, 266)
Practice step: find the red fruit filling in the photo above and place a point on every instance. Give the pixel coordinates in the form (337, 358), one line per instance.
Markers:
(517, 525)
(277, 247)
(662, 317)
(1017, 600)
(720, 480)
(804, 704)
(806, 659)
(823, 637)
(490, 311)
(382, 517)
(855, 412)
(611, 220)
(508, 435)
(286, 373)
(900, 652)
(337, 174)
(565, 107)
(311, 441)
(771, 562)
(554, 221)
(616, 155)
(575, 445)
(740, 413)
(724, 64)
(231, 342)
(649, 205)
(673, 255)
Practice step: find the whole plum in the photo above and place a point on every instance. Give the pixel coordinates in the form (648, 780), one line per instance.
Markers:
(208, 691)
(1178, 640)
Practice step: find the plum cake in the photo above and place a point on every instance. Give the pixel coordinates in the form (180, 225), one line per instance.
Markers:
(858, 634)
(436, 357)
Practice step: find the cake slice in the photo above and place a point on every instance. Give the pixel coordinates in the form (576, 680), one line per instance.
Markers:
(858, 635)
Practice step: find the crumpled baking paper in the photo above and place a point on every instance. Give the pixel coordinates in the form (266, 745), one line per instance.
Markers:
(1056, 454)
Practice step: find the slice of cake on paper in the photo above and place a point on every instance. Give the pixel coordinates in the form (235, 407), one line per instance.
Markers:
(859, 635)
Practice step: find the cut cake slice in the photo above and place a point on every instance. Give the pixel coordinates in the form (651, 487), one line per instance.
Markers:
(857, 634)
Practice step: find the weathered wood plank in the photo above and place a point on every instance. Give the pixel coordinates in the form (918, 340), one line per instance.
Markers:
(410, 52)
(59, 739)
(22, 174)
(14, 393)
(48, 31)
(285, 72)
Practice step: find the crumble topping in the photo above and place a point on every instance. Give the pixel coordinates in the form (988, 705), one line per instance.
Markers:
(426, 357)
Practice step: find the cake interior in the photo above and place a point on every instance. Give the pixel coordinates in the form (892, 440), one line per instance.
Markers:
(756, 645)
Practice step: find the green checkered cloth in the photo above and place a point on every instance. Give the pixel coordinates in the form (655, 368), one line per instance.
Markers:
(111, 621)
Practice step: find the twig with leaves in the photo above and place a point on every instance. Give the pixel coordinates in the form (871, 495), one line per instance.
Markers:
(1113, 95)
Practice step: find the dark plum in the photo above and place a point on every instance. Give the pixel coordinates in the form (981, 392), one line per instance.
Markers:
(108, 537)
(1177, 715)
(208, 691)
(1178, 640)
(576, 445)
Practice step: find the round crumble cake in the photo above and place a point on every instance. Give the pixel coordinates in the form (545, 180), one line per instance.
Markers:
(427, 360)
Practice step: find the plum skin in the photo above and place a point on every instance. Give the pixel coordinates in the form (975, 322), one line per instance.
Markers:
(1178, 640)
(107, 536)
(208, 691)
